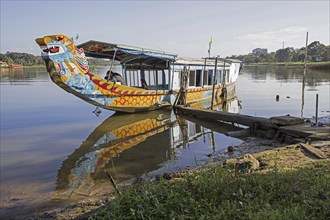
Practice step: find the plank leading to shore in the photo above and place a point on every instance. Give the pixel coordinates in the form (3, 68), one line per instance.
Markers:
(251, 121)
(282, 126)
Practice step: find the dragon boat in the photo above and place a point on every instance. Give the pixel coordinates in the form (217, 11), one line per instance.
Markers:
(153, 79)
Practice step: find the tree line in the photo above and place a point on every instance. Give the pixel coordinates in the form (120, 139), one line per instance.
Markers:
(26, 59)
(316, 52)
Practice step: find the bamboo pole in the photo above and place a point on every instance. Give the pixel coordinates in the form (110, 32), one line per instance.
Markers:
(182, 88)
(204, 70)
(113, 59)
(303, 80)
(214, 77)
(317, 110)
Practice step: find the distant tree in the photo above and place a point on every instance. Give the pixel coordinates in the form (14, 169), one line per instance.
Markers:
(21, 58)
(314, 47)
(284, 55)
(326, 53)
(8, 60)
(249, 59)
(270, 57)
(317, 51)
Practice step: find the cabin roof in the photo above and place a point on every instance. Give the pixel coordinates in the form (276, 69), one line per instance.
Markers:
(128, 55)
(199, 62)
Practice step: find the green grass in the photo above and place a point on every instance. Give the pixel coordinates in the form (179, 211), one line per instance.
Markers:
(282, 63)
(218, 193)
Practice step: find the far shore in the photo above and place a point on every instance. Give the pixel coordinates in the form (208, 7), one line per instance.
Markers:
(310, 65)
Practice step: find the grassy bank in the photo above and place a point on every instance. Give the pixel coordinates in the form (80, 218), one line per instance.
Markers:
(277, 190)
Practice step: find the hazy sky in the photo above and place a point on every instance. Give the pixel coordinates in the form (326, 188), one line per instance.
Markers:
(182, 27)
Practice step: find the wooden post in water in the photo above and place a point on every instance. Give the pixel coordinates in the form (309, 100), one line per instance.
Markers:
(224, 74)
(303, 80)
(317, 109)
(212, 141)
(214, 78)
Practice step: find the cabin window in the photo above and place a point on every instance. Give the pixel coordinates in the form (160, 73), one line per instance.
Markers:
(156, 79)
(198, 77)
(159, 79)
(176, 80)
(205, 77)
(219, 77)
(227, 74)
(210, 77)
(163, 79)
(192, 78)
(149, 77)
(133, 78)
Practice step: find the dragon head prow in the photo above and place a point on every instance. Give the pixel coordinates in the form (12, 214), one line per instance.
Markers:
(68, 59)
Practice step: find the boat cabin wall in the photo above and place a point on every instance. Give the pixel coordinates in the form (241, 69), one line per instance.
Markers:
(163, 79)
(150, 79)
(234, 72)
(198, 77)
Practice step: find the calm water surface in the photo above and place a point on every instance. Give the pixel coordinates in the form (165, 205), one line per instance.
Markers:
(54, 149)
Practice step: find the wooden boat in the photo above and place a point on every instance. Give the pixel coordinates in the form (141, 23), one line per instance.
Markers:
(170, 79)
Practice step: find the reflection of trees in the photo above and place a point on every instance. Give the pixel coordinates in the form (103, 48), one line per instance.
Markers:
(315, 78)
(286, 74)
(256, 72)
(16, 75)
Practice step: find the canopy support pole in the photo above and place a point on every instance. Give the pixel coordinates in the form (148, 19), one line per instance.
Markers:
(113, 58)
(204, 70)
(214, 78)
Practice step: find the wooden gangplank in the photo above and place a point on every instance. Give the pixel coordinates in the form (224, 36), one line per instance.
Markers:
(251, 121)
(282, 126)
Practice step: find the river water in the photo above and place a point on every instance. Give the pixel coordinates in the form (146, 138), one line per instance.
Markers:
(54, 150)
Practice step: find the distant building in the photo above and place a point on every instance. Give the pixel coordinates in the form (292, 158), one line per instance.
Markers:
(3, 64)
(259, 50)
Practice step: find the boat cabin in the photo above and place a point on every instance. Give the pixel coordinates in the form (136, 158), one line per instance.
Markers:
(159, 70)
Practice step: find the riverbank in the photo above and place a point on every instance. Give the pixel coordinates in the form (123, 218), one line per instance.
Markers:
(279, 183)
(259, 178)
(310, 65)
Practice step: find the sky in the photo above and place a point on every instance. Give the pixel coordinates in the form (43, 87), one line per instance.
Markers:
(180, 27)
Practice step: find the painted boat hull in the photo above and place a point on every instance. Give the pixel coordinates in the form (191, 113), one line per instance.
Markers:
(122, 98)
(68, 68)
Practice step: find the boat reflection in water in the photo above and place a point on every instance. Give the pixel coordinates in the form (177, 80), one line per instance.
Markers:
(130, 145)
